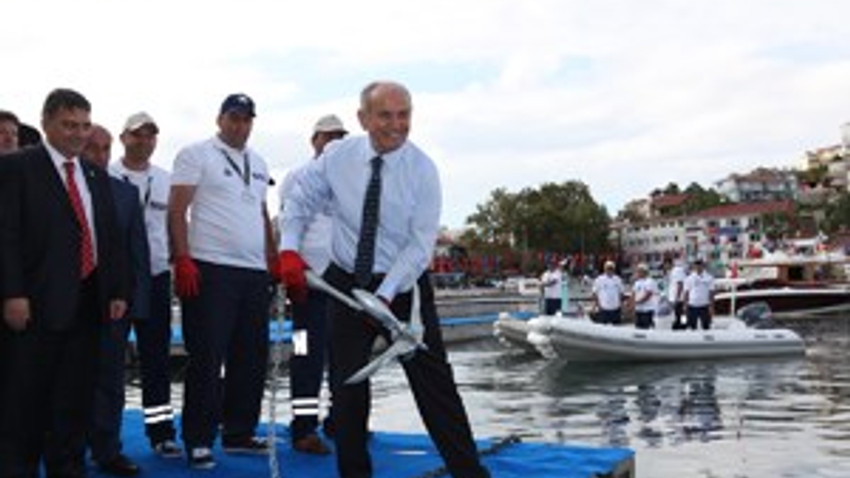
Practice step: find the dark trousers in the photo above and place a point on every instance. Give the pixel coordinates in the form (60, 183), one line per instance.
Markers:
(105, 432)
(699, 313)
(613, 316)
(551, 306)
(48, 392)
(644, 320)
(227, 323)
(678, 311)
(306, 370)
(153, 338)
(428, 372)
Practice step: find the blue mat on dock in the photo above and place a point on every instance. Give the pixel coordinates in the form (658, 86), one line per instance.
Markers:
(177, 331)
(394, 455)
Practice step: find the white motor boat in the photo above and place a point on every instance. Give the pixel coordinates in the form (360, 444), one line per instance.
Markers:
(513, 332)
(580, 339)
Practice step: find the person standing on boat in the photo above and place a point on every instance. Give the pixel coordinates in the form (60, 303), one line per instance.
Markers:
(153, 335)
(105, 434)
(384, 194)
(645, 297)
(550, 281)
(675, 286)
(309, 317)
(221, 250)
(699, 296)
(608, 294)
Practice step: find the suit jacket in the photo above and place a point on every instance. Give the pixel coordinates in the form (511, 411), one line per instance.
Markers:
(41, 241)
(130, 221)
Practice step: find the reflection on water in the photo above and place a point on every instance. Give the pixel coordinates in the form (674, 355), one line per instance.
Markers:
(733, 418)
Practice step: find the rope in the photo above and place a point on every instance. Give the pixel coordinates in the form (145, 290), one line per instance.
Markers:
(494, 448)
(279, 312)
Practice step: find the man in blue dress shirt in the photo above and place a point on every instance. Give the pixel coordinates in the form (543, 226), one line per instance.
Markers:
(399, 252)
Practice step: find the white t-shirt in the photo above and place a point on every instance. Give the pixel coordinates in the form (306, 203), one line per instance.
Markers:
(699, 287)
(641, 288)
(226, 222)
(154, 185)
(609, 291)
(553, 290)
(316, 243)
(677, 276)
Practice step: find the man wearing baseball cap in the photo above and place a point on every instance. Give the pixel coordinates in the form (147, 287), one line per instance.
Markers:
(139, 138)
(222, 244)
(309, 318)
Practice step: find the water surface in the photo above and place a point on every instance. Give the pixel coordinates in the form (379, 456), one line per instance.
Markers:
(758, 418)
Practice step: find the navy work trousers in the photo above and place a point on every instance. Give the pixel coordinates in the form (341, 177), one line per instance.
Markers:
(153, 337)
(226, 324)
(307, 367)
(701, 314)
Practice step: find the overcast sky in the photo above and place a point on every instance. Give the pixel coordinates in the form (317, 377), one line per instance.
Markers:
(623, 95)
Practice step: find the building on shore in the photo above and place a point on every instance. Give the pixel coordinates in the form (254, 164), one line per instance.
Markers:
(761, 184)
(719, 234)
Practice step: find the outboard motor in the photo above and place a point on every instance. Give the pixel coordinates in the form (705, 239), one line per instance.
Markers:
(757, 315)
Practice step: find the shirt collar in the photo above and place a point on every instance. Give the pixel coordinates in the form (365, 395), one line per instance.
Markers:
(57, 157)
(227, 148)
(389, 158)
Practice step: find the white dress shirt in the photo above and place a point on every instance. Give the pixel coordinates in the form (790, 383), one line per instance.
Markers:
(82, 187)
(409, 209)
(316, 244)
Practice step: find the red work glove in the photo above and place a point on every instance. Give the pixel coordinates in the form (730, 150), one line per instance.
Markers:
(187, 277)
(290, 268)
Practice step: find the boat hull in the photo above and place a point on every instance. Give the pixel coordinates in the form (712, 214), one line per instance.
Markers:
(513, 332)
(583, 340)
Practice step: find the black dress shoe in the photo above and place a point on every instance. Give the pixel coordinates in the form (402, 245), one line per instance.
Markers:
(120, 466)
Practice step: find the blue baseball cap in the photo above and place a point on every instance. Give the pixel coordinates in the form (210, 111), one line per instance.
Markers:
(238, 103)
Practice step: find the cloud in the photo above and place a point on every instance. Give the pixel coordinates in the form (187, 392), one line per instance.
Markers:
(625, 96)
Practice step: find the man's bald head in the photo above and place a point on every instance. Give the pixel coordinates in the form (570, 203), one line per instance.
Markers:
(98, 149)
(385, 113)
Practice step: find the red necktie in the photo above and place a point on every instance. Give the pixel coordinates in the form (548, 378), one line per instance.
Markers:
(86, 247)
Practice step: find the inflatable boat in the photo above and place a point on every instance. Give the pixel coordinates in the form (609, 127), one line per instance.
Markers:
(580, 339)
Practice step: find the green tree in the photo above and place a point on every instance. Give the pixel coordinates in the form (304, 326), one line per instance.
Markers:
(554, 217)
(698, 199)
(672, 188)
(838, 213)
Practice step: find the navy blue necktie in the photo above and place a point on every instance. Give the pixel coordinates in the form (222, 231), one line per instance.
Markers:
(365, 259)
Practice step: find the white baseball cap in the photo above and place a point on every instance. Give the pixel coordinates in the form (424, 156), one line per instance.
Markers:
(329, 124)
(139, 120)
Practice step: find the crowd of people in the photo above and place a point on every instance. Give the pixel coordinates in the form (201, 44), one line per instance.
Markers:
(92, 249)
(688, 290)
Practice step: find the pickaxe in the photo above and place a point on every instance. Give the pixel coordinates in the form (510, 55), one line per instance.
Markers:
(405, 339)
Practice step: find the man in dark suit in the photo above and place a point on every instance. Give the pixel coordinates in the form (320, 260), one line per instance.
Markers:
(64, 274)
(105, 432)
